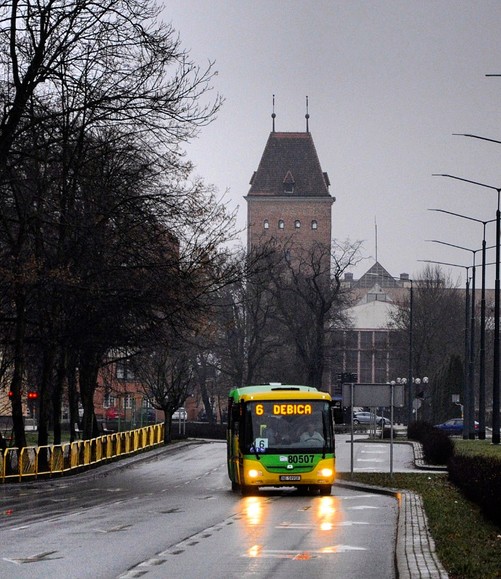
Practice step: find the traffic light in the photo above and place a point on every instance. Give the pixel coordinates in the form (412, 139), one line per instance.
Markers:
(32, 398)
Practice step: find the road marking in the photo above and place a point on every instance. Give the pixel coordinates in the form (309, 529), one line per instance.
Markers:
(34, 558)
(369, 468)
(114, 529)
(293, 526)
(355, 498)
(257, 552)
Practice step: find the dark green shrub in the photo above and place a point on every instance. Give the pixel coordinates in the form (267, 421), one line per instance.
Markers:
(418, 431)
(438, 448)
(479, 478)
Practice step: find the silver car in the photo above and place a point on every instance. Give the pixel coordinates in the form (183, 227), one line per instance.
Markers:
(369, 418)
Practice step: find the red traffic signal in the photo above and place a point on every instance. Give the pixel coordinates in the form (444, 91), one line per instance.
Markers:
(32, 395)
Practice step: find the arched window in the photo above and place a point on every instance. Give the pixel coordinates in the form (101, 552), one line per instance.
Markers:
(314, 224)
(266, 224)
(281, 224)
(297, 224)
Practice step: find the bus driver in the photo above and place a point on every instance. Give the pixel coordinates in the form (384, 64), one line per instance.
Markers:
(311, 436)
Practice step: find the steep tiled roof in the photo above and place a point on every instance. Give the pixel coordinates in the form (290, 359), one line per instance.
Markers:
(290, 167)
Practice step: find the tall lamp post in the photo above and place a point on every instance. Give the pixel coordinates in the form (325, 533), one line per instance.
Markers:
(469, 422)
(410, 396)
(482, 385)
(497, 299)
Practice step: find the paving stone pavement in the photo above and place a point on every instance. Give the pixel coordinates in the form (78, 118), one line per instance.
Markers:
(415, 551)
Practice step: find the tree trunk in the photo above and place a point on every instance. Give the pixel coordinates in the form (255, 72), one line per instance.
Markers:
(17, 375)
(45, 395)
(88, 372)
(167, 427)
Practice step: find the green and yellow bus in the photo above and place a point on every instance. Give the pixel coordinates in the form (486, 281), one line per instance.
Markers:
(280, 436)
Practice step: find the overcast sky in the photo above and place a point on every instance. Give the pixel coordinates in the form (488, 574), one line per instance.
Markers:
(389, 84)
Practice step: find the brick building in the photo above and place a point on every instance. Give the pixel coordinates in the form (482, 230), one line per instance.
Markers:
(289, 197)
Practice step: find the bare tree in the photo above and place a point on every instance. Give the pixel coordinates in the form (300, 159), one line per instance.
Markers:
(166, 375)
(111, 63)
(438, 315)
(310, 301)
(83, 89)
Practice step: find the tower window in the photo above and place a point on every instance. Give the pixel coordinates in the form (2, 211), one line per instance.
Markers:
(281, 224)
(314, 224)
(297, 224)
(288, 183)
(266, 224)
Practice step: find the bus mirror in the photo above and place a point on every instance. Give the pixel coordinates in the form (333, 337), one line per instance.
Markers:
(235, 412)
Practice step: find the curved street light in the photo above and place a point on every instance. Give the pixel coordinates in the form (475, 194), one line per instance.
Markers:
(469, 422)
(497, 302)
(482, 385)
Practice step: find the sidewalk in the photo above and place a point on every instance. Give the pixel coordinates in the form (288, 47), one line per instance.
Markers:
(415, 548)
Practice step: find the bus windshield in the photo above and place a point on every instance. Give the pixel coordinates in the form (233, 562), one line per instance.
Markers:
(288, 426)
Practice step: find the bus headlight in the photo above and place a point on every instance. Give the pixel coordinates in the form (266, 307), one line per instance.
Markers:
(254, 473)
(326, 472)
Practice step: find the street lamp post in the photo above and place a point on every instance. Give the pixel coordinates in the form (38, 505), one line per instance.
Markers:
(497, 299)
(469, 422)
(482, 385)
(411, 359)
(409, 386)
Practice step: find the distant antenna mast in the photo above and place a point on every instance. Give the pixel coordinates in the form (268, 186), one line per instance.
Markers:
(375, 234)
(307, 116)
(273, 116)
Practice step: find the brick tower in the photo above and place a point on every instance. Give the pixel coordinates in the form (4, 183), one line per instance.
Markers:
(289, 199)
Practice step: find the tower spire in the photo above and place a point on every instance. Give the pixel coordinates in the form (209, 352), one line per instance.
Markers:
(307, 116)
(273, 116)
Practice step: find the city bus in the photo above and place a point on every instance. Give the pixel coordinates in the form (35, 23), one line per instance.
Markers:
(280, 436)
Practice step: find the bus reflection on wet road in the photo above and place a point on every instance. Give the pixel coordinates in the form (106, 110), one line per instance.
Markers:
(311, 532)
(284, 535)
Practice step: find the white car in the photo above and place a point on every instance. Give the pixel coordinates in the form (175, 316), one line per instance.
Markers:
(180, 414)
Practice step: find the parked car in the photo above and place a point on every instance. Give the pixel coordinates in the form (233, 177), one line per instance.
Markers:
(113, 413)
(369, 418)
(453, 426)
(180, 414)
(147, 415)
(202, 416)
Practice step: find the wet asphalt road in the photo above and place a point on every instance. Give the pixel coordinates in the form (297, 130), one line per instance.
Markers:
(173, 514)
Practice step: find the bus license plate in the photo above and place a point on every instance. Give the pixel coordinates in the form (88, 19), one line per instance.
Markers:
(290, 477)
